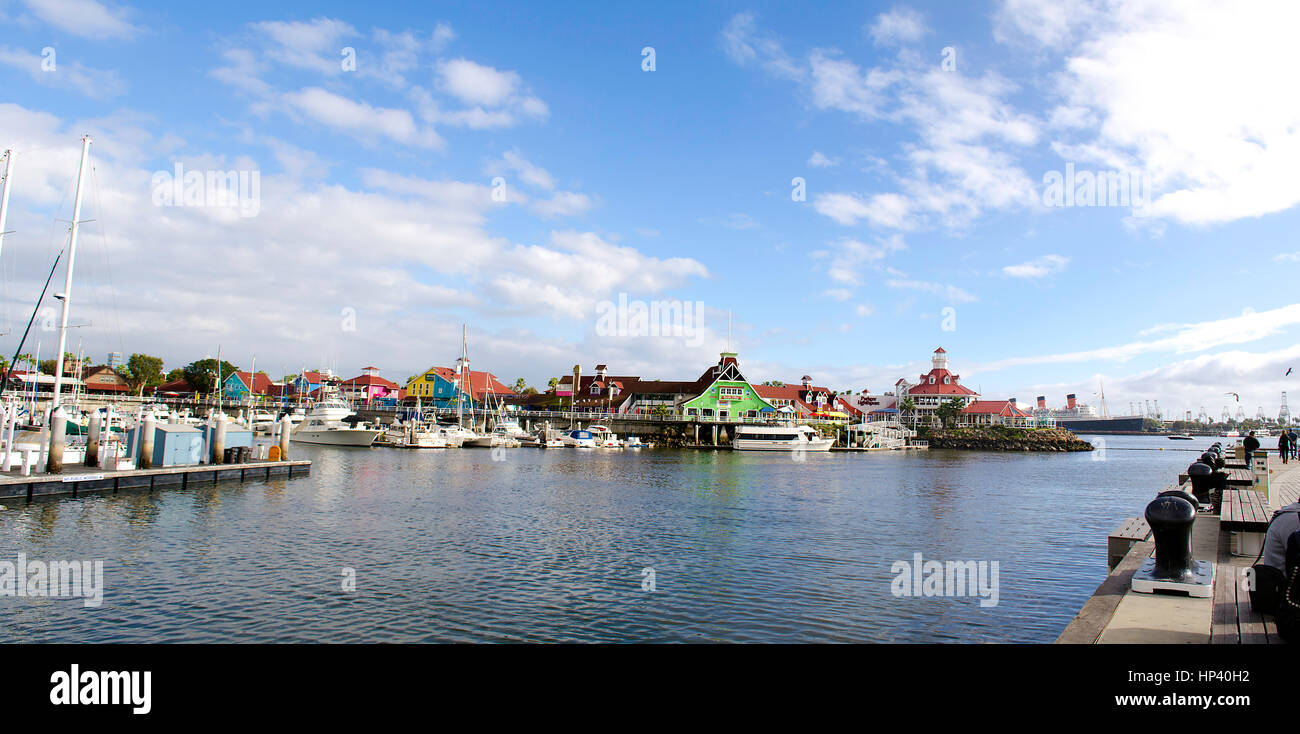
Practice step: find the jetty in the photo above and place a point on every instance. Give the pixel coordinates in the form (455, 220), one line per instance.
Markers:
(1229, 540)
(81, 482)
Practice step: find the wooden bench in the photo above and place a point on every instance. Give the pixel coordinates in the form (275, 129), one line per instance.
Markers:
(1244, 514)
(1132, 531)
(1241, 477)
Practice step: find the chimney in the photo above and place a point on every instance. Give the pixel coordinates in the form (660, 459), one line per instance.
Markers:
(1069, 401)
(1042, 402)
(600, 371)
(807, 382)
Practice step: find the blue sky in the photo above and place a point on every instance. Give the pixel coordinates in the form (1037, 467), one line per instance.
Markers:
(922, 133)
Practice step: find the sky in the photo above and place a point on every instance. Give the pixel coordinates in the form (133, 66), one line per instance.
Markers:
(828, 189)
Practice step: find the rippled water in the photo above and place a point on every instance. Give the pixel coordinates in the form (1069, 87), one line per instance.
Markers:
(550, 546)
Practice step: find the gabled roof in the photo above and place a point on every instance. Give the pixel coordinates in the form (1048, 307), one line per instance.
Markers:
(939, 388)
(1003, 408)
(261, 383)
(369, 380)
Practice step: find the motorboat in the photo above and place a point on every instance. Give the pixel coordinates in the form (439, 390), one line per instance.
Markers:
(605, 438)
(1180, 437)
(579, 439)
(633, 442)
(499, 438)
(324, 425)
(779, 438)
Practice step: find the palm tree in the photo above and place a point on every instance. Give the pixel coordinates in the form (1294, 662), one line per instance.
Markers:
(906, 408)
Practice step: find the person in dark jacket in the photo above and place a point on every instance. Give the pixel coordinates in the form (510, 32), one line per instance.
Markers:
(1295, 438)
(1284, 447)
(1251, 444)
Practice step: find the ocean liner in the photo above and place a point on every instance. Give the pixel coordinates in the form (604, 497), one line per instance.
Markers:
(1083, 418)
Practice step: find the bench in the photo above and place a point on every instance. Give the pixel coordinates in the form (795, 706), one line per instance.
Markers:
(1241, 477)
(1246, 516)
(1132, 531)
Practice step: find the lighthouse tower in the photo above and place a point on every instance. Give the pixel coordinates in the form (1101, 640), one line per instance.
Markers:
(940, 359)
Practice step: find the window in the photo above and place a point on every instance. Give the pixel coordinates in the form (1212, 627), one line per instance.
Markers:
(946, 380)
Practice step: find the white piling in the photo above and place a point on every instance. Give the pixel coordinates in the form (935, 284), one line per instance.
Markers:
(219, 438)
(92, 440)
(147, 430)
(286, 427)
(58, 440)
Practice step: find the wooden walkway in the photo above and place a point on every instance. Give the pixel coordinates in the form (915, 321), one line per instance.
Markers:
(1116, 614)
(77, 480)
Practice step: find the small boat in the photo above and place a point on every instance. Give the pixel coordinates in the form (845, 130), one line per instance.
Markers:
(779, 438)
(499, 438)
(605, 438)
(580, 439)
(633, 442)
(1180, 437)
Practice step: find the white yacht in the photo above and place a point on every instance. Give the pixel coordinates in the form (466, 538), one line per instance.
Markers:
(416, 435)
(499, 438)
(779, 438)
(324, 425)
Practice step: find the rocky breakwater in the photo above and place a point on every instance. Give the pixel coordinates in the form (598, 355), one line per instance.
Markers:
(1002, 438)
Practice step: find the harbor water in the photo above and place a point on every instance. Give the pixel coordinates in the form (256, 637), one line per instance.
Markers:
(384, 545)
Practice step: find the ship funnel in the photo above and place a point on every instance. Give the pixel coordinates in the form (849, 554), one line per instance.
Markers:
(1069, 401)
(1042, 401)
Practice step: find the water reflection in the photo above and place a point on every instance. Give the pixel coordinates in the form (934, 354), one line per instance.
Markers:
(550, 546)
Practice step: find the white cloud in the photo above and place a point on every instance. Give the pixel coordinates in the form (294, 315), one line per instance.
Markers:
(1039, 267)
(314, 44)
(744, 45)
(849, 256)
(529, 173)
(951, 292)
(93, 83)
(820, 160)
(900, 25)
(84, 18)
(883, 210)
(563, 204)
(360, 119)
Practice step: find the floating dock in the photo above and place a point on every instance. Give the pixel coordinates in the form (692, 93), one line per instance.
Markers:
(84, 480)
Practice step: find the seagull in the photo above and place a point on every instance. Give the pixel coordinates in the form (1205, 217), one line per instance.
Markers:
(1234, 395)
(1288, 371)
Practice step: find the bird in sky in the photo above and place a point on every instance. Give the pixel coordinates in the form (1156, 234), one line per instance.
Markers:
(1288, 371)
(1234, 396)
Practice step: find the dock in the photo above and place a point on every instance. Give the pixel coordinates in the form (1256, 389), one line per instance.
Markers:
(1117, 614)
(84, 480)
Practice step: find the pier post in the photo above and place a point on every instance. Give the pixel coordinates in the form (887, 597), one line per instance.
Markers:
(286, 427)
(58, 440)
(7, 433)
(147, 430)
(219, 438)
(45, 438)
(92, 441)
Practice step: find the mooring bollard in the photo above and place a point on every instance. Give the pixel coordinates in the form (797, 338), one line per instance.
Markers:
(1201, 474)
(45, 438)
(1171, 518)
(7, 437)
(147, 431)
(286, 428)
(219, 438)
(92, 441)
(58, 440)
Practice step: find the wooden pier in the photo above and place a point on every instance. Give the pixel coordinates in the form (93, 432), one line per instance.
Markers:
(1117, 614)
(83, 480)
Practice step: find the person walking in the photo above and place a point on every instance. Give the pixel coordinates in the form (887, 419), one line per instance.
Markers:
(1251, 445)
(1284, 446)
(1295, 438)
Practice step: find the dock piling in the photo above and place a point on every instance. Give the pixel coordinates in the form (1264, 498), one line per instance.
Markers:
(147, 431)
(58, 440)
(92, 441)
(219, 438)
(286, 427)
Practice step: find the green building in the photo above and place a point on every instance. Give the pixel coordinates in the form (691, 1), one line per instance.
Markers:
(729, 395)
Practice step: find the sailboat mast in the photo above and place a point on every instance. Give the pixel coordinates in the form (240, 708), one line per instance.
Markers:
(72, 259)
(4, 197)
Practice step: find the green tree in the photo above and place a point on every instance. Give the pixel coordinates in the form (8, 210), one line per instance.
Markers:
(948, 412)
(520, 386)
(174, 375)
(552, 383)
(141, 371)
(202, 374)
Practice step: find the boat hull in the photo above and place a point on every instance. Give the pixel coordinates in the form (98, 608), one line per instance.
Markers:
(339, 437)
(758, 444)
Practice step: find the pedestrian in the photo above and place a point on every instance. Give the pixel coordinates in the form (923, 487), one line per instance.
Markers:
(1284, 446)
(1251, 445)
(1295, 438)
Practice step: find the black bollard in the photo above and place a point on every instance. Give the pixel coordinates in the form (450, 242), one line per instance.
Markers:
(1171, 520)
(1171, 516)
(1202, 476)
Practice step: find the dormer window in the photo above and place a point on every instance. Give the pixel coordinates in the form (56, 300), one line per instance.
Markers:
(946, 380)
(932, 380)
(595, 389)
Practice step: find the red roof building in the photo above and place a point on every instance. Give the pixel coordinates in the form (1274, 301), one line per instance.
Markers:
(368, 386)
(1000, 412)
(934, 388)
